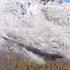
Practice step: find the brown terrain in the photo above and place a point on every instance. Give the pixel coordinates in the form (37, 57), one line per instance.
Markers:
(10, 63)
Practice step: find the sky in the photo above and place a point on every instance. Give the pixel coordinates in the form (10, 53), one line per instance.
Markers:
(67, 1)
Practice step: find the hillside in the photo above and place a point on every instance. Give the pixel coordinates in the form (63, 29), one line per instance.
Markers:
(34, 30)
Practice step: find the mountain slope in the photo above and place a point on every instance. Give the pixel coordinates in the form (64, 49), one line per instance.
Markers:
(35, 30)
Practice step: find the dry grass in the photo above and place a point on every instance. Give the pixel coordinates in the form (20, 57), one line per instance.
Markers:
(13, 64)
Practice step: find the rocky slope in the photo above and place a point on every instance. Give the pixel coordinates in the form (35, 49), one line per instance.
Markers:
(35, 30)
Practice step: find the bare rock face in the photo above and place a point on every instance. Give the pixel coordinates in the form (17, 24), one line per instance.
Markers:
(35, 30)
